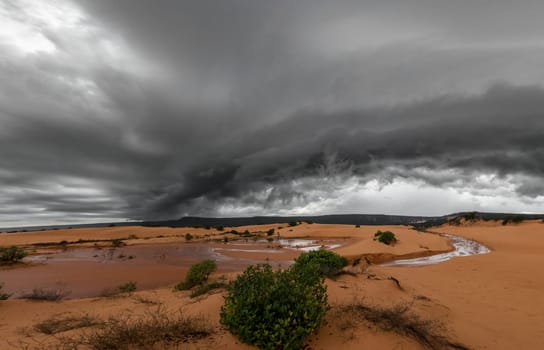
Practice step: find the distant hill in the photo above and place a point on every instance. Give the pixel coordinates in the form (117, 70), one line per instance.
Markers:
(347, 219)
(350, 219)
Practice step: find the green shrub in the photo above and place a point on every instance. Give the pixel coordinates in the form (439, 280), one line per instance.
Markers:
(385, 237)
(188, 236)
(220, 228)
(328, 263)
(198, 274)
(128, 287)
(293, 223)
(270, 232)
(11, 254)
(275, 310)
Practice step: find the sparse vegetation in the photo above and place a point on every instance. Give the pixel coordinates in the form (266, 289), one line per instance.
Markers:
(3, 296)
(128, 287)
(207, 287)
(158, 328)
(188, 236)
(220, 228)
(275, 310)
(399, 319)
(357, 226)
(270, 232)
(328, 263)
(57, 324)
(42, 294)
(11, 254)
(513, 219)
(118, 242)
(198, 274)
(385, 237)
(293, 223)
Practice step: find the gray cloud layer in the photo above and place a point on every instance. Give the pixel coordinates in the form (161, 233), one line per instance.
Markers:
(133, 109)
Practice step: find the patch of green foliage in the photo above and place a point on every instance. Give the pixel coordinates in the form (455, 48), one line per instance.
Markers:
(385, 237)
(220, 228)
(270, 232)
(328, 263)
(275, 309)
(128, 287)
(293, 223)
(188, 236)
(198, 274)
(11, 254)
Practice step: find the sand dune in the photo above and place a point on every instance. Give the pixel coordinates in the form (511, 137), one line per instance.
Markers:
(491, 301)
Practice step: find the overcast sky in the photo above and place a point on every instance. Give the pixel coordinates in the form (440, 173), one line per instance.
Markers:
(137, 109)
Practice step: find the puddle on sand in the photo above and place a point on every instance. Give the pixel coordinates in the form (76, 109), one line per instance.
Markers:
(88, 272)
(463, 247)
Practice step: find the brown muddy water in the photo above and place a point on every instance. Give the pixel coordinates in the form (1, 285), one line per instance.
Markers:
(92, 272)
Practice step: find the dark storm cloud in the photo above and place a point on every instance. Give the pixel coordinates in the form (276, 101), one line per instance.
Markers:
(158, 109)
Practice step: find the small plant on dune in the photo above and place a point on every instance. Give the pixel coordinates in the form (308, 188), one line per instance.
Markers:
(188, 236)
(275, 309)
(198, 274)
(328, 263)
(399, 319)
(157, 329)
(3, 296)
(220, 228)
(270, 232)
(385, 237)
(42, 294)
(206, 287)
(128, 287)
(11, 254)
(57, 324)
(118, 242)
(293, 223)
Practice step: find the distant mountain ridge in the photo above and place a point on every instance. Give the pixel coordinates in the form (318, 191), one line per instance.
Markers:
(345, 219)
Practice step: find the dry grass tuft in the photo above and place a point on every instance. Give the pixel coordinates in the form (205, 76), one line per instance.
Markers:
(429, 333)
(158, 327)
(57, 324)
(41, 294)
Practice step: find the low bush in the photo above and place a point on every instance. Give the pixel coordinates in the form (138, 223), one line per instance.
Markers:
(188, 236)
(220, 228)
(3, 296)
(293, 223)
(128, 287)
(207, 287)
(57, 324)
(198, 274)
(270, 232)
(11, 254)
(328, 263)
(385, 237)
(275, 310)
(41, 294)
(117, 243)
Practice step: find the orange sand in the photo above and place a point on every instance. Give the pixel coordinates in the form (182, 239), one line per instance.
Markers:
(491, 301)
